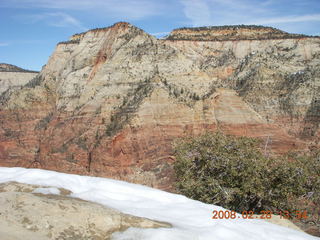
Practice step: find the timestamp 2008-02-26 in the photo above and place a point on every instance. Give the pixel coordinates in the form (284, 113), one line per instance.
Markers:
(264, 214)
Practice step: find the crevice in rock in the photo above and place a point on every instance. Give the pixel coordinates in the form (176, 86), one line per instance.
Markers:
(312, 118)
(89, 161)
(129, 106)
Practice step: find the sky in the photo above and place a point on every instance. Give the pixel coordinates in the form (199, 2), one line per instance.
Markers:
(30, 29)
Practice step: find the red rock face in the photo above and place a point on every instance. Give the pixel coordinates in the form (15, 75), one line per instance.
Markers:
(140, 154)
(137, 154)
(110, 103)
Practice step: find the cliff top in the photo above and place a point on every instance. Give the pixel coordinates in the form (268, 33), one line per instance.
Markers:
(230, 32)
(209, 33)
(230, 27)
(117, 24)
(78, 36)
(4, 67)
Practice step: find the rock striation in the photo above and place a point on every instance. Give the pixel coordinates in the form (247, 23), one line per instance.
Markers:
(110, 101)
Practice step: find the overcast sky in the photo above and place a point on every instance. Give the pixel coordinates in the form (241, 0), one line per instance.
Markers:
(30, 29)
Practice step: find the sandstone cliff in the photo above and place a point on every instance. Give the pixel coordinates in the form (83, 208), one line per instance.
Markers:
(12, 76)
(110, 101)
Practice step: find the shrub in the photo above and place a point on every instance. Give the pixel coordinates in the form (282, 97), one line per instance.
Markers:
(36, 81)
(233, 173)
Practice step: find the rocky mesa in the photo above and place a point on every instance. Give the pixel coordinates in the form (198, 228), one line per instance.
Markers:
(110, 101)
(13, 77)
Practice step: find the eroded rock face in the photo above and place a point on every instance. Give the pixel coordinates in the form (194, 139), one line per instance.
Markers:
(26, 215)
(110, 101)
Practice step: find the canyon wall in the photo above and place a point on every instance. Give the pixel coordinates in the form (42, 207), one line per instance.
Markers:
(110, 101)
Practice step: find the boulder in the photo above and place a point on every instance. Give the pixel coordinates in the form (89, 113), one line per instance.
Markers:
(27, 213)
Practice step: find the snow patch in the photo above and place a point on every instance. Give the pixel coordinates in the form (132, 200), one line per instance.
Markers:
(190, 219)
(51, 190)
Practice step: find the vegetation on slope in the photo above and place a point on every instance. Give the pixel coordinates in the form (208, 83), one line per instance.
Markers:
(233, 173)
(229, 33)
(129, 106)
